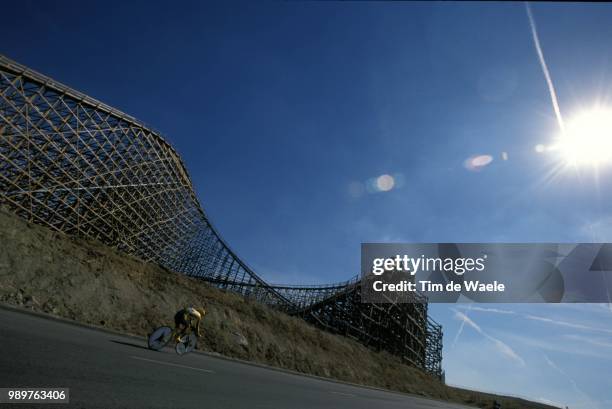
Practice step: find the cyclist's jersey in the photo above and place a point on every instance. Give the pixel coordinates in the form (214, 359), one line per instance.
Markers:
(189, 317)
(193, 313)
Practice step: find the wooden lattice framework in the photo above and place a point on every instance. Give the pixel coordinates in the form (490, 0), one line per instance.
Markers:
(400, 328)
(80, 167)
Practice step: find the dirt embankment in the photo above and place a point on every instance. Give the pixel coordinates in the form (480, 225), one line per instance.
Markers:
(88, 282)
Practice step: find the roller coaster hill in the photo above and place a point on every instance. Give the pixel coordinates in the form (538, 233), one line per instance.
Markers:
(78, 166)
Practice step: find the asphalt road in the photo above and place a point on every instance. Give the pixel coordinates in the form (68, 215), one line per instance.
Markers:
(104, 370)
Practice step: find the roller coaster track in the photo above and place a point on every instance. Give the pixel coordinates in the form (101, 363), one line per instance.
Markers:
(78, 166)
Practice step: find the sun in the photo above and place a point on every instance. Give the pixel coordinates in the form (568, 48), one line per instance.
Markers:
(587, 139)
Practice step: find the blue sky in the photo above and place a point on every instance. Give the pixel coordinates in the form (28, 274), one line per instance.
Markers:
(285, 113)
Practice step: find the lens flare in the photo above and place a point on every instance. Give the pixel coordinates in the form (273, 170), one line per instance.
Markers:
(477, 162)
(384, 183)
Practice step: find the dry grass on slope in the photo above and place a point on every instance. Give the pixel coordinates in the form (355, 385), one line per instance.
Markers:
(88, 282)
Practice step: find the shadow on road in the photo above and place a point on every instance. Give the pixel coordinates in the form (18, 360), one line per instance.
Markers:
(129, 344)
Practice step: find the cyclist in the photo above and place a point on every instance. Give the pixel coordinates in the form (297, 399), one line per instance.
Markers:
(188, 319)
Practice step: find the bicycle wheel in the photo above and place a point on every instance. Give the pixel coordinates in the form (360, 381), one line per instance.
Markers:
(160, 338)
(186, 344)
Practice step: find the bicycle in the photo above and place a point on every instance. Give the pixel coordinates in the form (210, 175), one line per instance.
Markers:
(161, 336)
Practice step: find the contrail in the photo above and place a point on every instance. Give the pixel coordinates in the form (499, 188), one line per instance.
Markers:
(551, 88)
(500, 345)
(458, 333)
(461, 326)
(554, 366)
